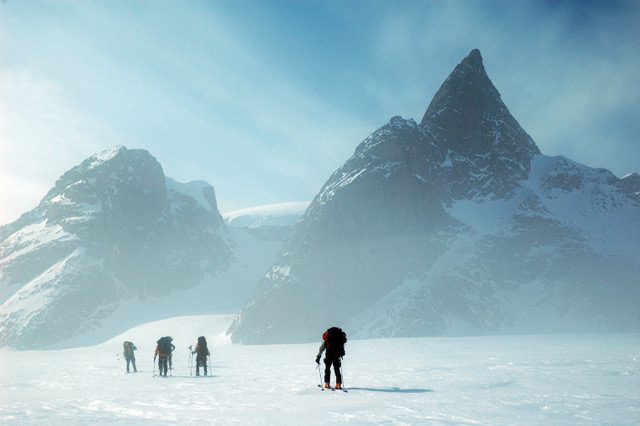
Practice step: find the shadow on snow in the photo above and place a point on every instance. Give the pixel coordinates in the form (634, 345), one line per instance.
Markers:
(184, 376)
(391, 390)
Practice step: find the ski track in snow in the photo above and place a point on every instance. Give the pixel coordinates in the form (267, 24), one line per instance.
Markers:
(497, 380)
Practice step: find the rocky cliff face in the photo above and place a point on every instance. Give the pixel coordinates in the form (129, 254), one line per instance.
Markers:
(112, 229)
(484, 146)
(455, 225)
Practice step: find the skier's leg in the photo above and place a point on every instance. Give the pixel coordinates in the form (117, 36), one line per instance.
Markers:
(163, 365)
(133, 361)
(128, 364)
(327, 370)
(337, 363)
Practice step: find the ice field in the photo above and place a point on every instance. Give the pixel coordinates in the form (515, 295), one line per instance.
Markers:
(496, 380)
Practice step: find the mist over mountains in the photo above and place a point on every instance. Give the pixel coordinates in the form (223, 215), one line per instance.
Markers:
(456, 225)
(115, 244)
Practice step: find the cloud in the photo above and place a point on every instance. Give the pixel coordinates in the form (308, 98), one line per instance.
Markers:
(264, 102)
(183, 83)
(41, 136)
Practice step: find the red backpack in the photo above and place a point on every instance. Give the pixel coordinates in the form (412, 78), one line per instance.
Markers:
(334, 339)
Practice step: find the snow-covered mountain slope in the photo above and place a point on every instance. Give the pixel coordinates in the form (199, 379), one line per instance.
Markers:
(272, 222)
(116, 243)
(456, 225)
(497, 380)
(281, 214)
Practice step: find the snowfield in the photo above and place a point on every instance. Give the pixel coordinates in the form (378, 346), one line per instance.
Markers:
(497, 380)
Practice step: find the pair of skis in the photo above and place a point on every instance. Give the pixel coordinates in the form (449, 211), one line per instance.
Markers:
(332, 388)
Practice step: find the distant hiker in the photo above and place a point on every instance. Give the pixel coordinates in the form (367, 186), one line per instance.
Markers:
(333, 341)
(129, 356)
(163, 353)
(203, 353)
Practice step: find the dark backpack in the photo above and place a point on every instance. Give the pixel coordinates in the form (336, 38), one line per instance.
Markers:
(334, 339)
(202, 346)
(164, 345)
(128, 349)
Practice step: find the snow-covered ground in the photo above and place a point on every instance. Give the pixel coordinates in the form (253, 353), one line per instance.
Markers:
(498, 380)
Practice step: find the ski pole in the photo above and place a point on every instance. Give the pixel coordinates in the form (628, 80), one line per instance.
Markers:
(342, 372)
(154, 366)
(209, 359)
(319, 374)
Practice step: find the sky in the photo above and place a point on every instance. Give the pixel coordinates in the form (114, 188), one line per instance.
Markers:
(265, 99)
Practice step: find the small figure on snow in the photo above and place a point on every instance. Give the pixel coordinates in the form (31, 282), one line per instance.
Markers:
(202, 353)
(129, 356)
(333, 341)
(163, 353)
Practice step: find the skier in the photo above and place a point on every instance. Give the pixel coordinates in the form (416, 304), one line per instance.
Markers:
(333, 340)
(129, 356)
(203, 353)
(163, 353)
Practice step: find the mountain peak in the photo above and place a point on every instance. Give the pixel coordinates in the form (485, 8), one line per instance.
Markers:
(473, 60)
(467, 116)
(113, 230)
(465, 96)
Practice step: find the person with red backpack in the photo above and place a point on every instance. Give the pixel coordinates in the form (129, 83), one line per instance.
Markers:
(163, 353)
(333, 340)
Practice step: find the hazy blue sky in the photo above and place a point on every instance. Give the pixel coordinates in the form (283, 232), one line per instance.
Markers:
(264, 99)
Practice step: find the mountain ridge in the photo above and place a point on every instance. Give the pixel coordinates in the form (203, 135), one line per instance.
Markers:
(453, 225)
(115, 242)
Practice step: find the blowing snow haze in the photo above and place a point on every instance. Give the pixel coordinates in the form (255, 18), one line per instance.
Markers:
(115, 244)
(456, 225)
